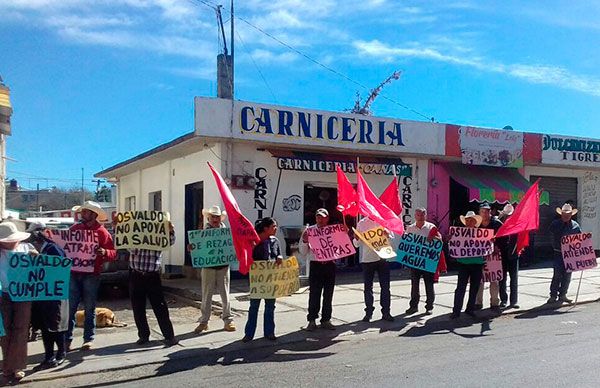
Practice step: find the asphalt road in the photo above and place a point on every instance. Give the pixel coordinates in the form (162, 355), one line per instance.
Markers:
(539, 348)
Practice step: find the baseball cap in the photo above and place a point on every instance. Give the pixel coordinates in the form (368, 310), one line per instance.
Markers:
(323, 212)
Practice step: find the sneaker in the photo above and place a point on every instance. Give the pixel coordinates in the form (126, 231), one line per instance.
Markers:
(411, 310)
(246, 339)
(49, 363)
(564, 299)
(312, 326)
(552, 300)
(367, 318)
(388, 317)
(271, 337)
(170, 342)
(230, 326)
(503, 304)
(429, 312)
(327, 325)
(87, 345)
(19, 375)
(60, 359)
(142, 341)
(514, 306)
(201, 327)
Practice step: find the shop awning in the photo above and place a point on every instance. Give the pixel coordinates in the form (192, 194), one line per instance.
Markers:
(492, 184)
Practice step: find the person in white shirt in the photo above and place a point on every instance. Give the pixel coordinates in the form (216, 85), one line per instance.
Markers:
(372, 263)
(422, 228)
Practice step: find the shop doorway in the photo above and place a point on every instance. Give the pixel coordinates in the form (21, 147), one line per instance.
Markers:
(459, 203)
(194, 202)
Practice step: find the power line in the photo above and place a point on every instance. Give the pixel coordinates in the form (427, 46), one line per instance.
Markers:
(311, 59)
(257, 67)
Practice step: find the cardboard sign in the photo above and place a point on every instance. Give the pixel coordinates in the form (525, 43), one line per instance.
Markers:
(41, 277)
(415, 251)
(211, 247)
(492, 269)
(470, 242)
(143, 230)
(269, 280)
(79, 246)
(578, 252)
(378, 240)
(330, 242)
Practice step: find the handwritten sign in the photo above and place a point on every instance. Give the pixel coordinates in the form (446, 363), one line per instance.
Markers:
(470, 242)
(330, 242)
(577, 252)
(378, 240)
(211, 247)
(41, 277)
(142, 229)
(269, 280)
(79, 246)
(415, 251)
(492, 269)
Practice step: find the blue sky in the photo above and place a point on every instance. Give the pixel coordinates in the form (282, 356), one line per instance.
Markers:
(96, 82)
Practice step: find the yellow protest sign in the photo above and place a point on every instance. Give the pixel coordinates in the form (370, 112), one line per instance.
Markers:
(377, 239)
(142, 229)
(269, 280)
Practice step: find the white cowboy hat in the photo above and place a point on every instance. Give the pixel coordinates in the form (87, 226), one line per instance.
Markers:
(471, 214)
(10, 234)
(567, 209)
(93, 207)
(508, 209)
(214, 211)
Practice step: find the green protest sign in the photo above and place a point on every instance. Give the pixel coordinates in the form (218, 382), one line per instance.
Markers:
(41, 277)
(211, 247)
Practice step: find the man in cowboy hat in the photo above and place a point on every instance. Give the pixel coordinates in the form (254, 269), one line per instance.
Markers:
(469, 270)
(215, 278)
(84, 285)
(510, 264)
(560, 227)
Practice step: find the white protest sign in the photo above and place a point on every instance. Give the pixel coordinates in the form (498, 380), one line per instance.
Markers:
(470, 242)
(330, 242)
(492, 269)
(142, 229)
(578, 252)
(79, 245)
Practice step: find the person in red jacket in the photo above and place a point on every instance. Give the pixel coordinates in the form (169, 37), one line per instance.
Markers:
(84, 285)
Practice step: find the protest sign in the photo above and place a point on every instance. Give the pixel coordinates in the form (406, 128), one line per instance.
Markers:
(470, 242)
(79, 245)
(41, 277)
(492, 269)
(211, 247)
(146, 229)
(330, 242)
(578, 252)
(378, 240)
(416, 252)
(269, 280)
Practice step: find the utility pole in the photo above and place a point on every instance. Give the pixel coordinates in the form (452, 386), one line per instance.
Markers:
(37, 197)
(232, 57)
(82, 192)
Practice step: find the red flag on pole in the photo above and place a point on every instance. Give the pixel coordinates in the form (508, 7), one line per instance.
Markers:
(243, 233)
(372, 207)
(391, 197)
(347, 196)
(526, 216)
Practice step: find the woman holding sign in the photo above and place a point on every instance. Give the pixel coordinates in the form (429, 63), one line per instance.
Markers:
(16, 315)
(470, 270)
(270, 250)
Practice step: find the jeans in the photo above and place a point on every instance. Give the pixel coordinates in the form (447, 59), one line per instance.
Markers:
(84, 289)
(467, 273)
(144, 285)
(268, 318)
(50, 338)
(560, 279)
(415, 279)
(321, 280)
(382, 268)
(510, 267)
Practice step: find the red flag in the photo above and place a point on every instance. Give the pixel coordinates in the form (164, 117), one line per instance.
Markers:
(347, 196)
(526, 216)
(391, 197)
(242, 231)
(372, 207)
(522, 242)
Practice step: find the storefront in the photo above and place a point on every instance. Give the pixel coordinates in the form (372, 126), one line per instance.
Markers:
(281, 161)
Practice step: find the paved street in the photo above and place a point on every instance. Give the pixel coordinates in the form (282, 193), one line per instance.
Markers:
(408, 343)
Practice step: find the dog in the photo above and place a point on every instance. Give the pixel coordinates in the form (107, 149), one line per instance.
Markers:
(104, 318)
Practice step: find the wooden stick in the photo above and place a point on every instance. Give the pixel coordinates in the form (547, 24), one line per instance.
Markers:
(578, 287)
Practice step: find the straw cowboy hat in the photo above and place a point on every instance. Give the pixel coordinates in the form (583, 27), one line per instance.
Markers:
(508, 209)
(93, 207)
(567, 209)
(10, 234)
(471, 214)
(214, 211)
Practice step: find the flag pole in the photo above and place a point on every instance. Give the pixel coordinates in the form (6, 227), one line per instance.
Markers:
(578, 287)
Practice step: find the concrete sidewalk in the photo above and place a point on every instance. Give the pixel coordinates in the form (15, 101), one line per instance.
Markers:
(115, 348)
